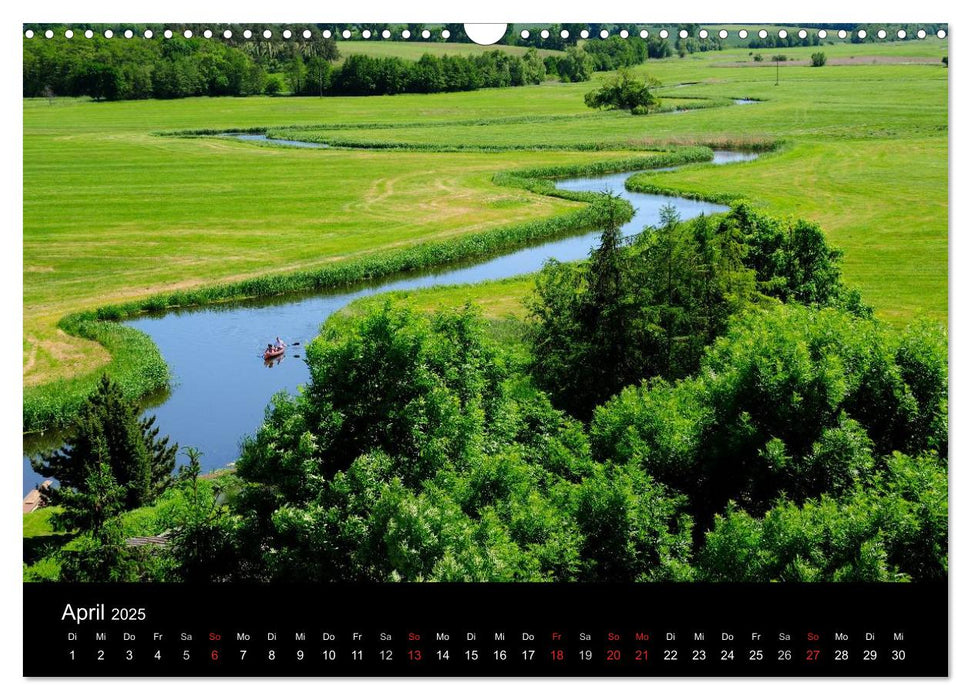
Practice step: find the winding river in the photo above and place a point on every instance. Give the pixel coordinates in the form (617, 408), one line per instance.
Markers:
(221, 385)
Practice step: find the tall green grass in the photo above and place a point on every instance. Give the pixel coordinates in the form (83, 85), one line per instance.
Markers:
(136, 364)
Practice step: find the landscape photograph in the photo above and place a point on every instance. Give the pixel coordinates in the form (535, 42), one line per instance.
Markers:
(596, 303)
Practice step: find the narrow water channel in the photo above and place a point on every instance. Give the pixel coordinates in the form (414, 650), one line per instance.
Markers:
(221, 385)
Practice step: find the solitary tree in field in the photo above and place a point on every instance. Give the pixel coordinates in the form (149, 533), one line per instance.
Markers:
(109, 443)
(624, 91)
(818, 59)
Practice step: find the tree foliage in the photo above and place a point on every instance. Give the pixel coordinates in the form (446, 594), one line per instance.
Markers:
(751, 421)
(633, 312)
(615, 52)
(624, 91)
(110, 69)
(575, 66)
(179, 67)
(791, 259)
(790, 401)
(892, 529)
(414, 455)
(109, 448)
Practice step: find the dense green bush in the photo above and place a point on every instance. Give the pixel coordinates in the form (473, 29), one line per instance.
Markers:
(624, 91)
(818, 59)
(790, 401)
(419, 453)
(633, 530)
(650, 309)
(575, 66)
(893, 529)
(615, 52)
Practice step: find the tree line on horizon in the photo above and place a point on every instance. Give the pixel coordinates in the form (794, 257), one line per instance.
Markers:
(125, 69)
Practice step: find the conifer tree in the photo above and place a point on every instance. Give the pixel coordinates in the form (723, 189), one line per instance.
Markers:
(108, 433)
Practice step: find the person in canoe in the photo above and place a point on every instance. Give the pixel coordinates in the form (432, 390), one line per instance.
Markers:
(273, 351)
(280, 344)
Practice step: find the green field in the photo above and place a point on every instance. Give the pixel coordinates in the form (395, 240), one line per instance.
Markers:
(113, 211)
(413, 50)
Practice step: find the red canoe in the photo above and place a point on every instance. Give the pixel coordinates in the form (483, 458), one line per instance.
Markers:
(275, 352)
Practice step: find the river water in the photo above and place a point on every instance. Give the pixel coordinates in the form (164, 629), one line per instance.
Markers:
(221, 386)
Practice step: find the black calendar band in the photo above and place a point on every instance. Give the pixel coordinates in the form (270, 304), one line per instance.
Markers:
(543, 630)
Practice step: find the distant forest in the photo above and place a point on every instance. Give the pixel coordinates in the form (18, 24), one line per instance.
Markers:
(246, 62)
(165, 68)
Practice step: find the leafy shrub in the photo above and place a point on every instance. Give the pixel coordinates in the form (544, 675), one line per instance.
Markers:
(615, 52)
(790, 401)
(274, 85)
(893, 529)
(624, 91)
(791, 259)
(632, 529)
(575, 66)
(818, 59)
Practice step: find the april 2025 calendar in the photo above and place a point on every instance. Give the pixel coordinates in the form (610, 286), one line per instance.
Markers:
(485, 350)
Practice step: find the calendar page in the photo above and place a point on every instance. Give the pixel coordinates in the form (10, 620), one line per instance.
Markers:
(485, 350)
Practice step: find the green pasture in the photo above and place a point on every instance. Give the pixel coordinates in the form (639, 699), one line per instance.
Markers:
(114, 211)
(112, 214)
(500, 300)
(413, 50)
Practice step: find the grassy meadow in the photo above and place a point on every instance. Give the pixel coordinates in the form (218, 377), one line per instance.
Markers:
(413, 50)
(116, 210)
